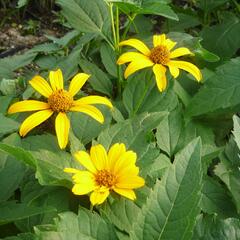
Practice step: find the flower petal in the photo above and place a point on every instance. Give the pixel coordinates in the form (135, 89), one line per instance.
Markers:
(114, 153)
(173, 70)
(93, 100)
(129, 57)
(160, 75)
(77, 82)
(82, 189)
(41, 86)
(137, 65)
(56, 79)
(189, 67)
(99, 156)
(128, 193)
(27, 106)
(89, 110)
(84, 159)
(159, 40)
(130, 182)
(62, 126)
(71, 170)
(180, 52)
(34, 120)
(98, 197)
(84, 177)
(135, 43)
(170, 44)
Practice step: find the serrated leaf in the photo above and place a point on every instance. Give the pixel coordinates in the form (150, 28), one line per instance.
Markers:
(86, 225)
(168, 132)
(173, 205)
(220, 92)
(213, 228)
(214, 199)
(222, 39)
(86, 16)
(141, 95)
(98, 80)
(7, 125)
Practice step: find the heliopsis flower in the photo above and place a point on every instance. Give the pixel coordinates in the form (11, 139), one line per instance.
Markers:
(60, 102)
(105, 172)
(159, 57)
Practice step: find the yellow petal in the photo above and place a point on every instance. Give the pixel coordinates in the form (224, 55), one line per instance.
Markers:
(84, 177)
(139, 45)
(89, 110)
(62, 126)
(114, 153)
(170, 44)
(34, 120)
(128, 193)
(56, 79)
(137, 65)
(82, 189)
(93, 100)
(180, 52)
(77, 82)
(98, 197)
(130, 170)
(160, 75)
(130, 182)
(71, 170)
(189, 67)
(126, 159)
(98, 156)
(173, 70)
(129, 57)
(28, 105)
(84, 159)
(41, 85)
(159, 40)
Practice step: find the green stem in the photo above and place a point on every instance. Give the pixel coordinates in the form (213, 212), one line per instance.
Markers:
(237, 5)
(91, 208)
(113, 25)
(130, 21)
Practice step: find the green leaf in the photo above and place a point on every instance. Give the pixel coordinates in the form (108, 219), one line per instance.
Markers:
(209, 5)
(7, 125)
(87, 128)
(173, 205)
(141, 95)
(11, 170)
(132, 132)
(11, 211)
(86, 225)
(22, 236)
(98, 80)
(109, 59)
(86, 16)
(168, 132)
(214, 199)
(22, 3)
(236, 131)
(156, 7)
(122, 213)
(212, 228)
(220, 92)
(222, 39)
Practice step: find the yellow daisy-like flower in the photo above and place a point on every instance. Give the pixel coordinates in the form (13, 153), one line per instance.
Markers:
(159, 57)
(60, 101)
(115, 170)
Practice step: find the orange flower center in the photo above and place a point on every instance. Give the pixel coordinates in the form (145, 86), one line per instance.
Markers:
(160, 55)
(105, 178)
(60, 101)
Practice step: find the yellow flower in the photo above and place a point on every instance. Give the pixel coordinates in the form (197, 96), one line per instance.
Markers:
(59, 101)
(115, 170)
(159, 57)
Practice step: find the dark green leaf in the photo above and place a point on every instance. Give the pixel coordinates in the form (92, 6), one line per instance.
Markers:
(173, 205)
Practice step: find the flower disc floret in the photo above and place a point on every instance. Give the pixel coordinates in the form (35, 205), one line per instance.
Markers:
(60, 101)
(105, 178)
(160, 55)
